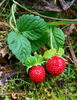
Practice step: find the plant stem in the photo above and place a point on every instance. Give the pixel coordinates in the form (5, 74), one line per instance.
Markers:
(51, 37)
(13, 10)
(10, 22)
(2, 2)
(61, 23)
(43, 16)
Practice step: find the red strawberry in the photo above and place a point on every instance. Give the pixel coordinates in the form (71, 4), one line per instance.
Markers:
(37, 74)
(55, 65)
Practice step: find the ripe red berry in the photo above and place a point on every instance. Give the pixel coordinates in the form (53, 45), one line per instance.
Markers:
(37, 74)
(55, 66)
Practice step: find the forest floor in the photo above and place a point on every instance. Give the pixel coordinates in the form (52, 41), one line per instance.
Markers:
(15, 83)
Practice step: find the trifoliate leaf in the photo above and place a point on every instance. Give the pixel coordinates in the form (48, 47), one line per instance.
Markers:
(19, 45)
(33, 27)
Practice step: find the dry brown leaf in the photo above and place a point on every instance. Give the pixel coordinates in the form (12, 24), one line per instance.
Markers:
(4, 51)
(14, 95)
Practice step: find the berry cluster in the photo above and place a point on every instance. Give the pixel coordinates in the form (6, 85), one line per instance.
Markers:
(55, 66)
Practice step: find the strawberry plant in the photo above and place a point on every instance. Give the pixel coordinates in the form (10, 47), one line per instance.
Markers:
(29, 33)
(40, 64)
(32, 33)
(23, 40)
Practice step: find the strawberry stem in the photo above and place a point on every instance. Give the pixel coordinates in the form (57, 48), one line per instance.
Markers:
(12, 18)
(51, 37)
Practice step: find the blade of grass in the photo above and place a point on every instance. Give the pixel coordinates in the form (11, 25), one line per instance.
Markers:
(61, 23)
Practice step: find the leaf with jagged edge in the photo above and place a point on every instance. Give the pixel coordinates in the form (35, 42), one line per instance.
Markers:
(19, 45)
(33, 27)
(58, 37)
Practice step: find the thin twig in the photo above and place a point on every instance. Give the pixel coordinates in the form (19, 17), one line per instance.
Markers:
(13, 73)
(72, 52)
(70, 47)
(2, 2)
(43, 16)
(65, 26)
(4, 23)
(65, 5)
(12, 93)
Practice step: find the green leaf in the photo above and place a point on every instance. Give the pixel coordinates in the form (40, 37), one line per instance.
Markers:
(19, 45)
(60, 52)
(50, 14)
(58, 37)
(30, 61)
(37, 44)
(33, 27)
(61, 23)
(49, 53)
